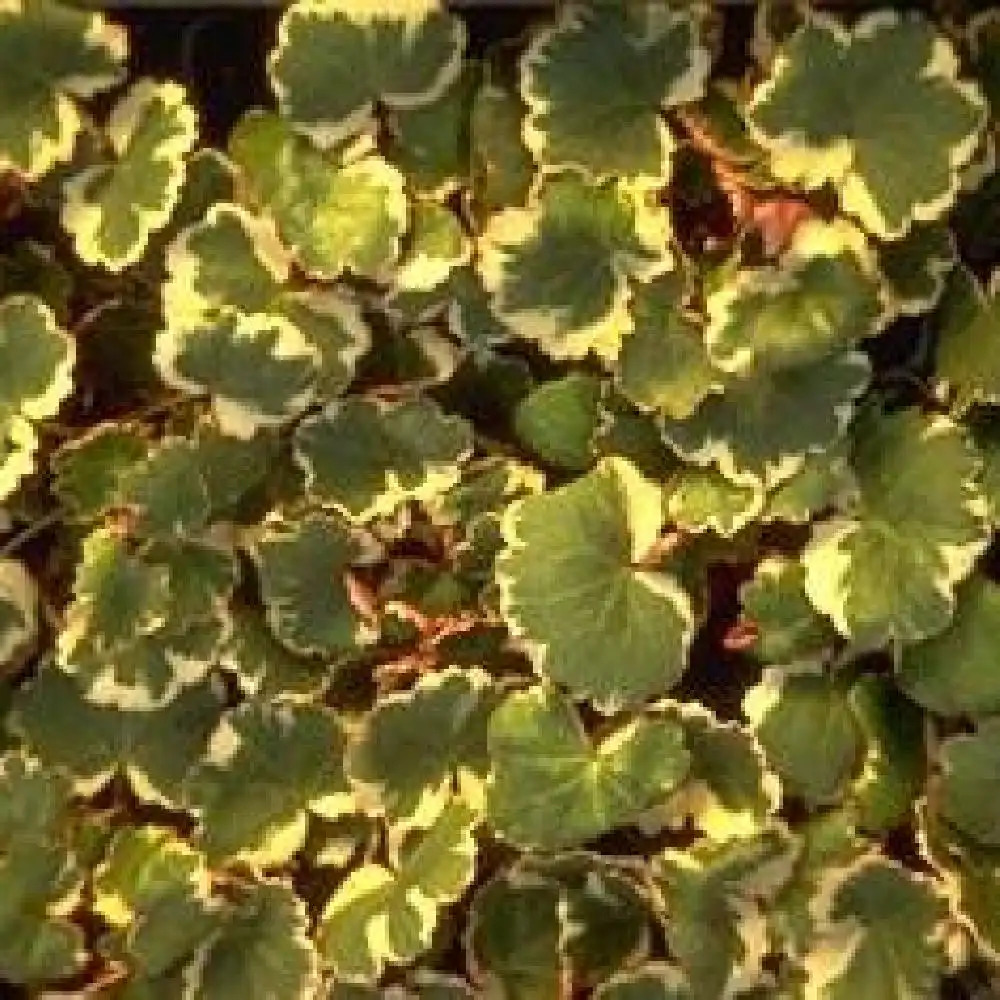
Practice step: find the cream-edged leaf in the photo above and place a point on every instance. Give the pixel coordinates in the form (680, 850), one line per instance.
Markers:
(575, 588)
(852, 134)
(336, 60)
(597, 82)
(112, 209)
(559, 271)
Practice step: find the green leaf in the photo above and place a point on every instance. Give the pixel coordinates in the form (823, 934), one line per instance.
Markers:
(560, 270)
(265, 768)
(876, 936)
(712, 916)
(343, 212)
(969, 326)
(437, 244)
(153, 890)
(265, 667)
(575, 588)
(552, 786)
(954, 672)
(402, 55)
(822, 299)
(51, 55)
(302, 567)
(852, 134)
(18, 612)
(153, 750)
(111, 209)
(969, 767)
(430, 142)
(39, 887)
(260, 952)
(824, 482)
(382, 915)
(983, 30)
(809, 733)
(788, 628)
(663, 365)
(597, 82)
(365, 458)
(558, 419)
(36, 366)
(515, 938)
(889, 573)
(259, 371)
(89, 469)
(416, 746)
(762, 428)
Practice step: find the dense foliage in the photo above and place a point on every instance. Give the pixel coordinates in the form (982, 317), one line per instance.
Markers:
(516, 522)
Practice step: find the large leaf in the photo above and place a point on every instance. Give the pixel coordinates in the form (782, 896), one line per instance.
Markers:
(383, 915)
(265, 767)
(552, 786)
(851, 132)
(574, 586)
(337, 59)
(51, 54)
(597, 83)
(338, 212)
(559, 270)
(365, 458)
(889, 573)
(969, 768)
(112, 209)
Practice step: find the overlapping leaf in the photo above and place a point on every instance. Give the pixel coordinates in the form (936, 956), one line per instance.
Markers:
(853, 135)
(559, 270)
(597, 83)
(889, 573)
(52, 55)
(336, 60)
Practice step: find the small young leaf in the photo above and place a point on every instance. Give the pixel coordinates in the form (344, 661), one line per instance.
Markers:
(111, 210)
